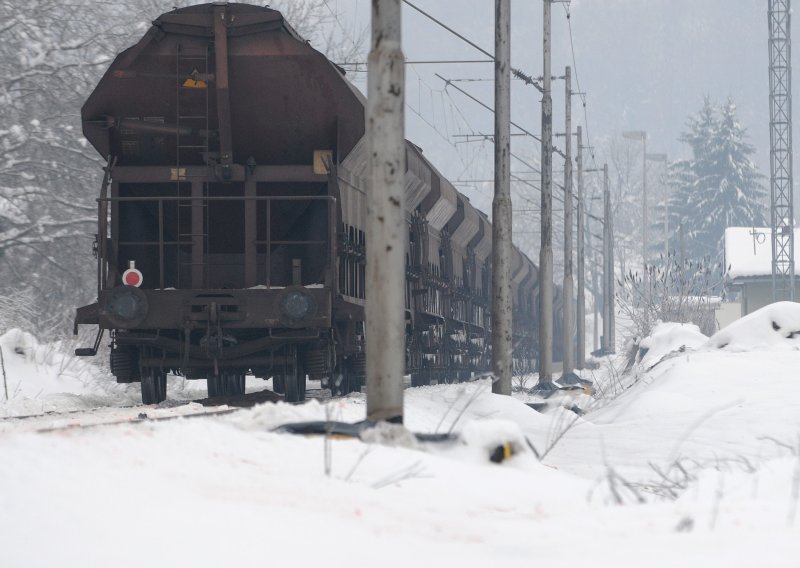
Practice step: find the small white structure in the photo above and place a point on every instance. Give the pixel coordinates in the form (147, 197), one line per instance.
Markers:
(748, 266)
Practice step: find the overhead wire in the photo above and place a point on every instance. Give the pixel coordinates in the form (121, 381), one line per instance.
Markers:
(518, 75)
(457, 119)
(581, 94)
(348, 34)
(529, 80)
(448, 82)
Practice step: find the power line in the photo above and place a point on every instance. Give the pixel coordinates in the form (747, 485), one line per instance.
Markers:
(578, 81)
(341, 25)
(423, 62)
(518, 74)
(457, 119)
(447, 83)
(529, 80)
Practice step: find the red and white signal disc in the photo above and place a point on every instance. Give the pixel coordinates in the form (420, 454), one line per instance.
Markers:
(132, 277)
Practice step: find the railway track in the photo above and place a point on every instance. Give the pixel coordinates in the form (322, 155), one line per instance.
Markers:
(55, 421)
(110, 416)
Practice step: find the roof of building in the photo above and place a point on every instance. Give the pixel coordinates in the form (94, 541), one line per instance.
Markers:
(748, 252)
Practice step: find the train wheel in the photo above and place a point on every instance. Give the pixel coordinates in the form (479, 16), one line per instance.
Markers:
(295, 378)
(357, 382)
(301, 382)
(291, 390)
(340, 378)
(335, 382)
(354, 372)
(347, 384)
(234, 384)
(420, 378)
(154, 386)
(226, 384)
(216, 385)
(295, 387)
(350, 378)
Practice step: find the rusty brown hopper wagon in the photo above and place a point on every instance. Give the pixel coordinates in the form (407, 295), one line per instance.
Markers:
(231, 219)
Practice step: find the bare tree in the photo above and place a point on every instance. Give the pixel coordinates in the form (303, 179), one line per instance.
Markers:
(320, 23)
(51, 53)
(675, 290)
(625, 163)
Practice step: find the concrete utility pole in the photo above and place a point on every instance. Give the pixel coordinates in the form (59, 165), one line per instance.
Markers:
(502, 310)
(608, 269)
(611, 343)
(581, 312)
(595, 294)
(546, 252)
(569, 317)
(599, 342)
(606, 249)
(386, 226)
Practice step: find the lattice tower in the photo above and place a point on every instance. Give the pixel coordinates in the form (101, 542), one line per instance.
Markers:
(781, 185)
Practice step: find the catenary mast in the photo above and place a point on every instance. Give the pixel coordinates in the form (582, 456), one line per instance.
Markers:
(780, 149)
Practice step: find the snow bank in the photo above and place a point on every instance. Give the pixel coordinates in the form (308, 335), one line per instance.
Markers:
(774, 326)
(42, 377)
(727, 398)
(699, 449)
(308, 501)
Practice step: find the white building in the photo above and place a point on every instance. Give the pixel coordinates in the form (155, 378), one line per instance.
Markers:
(748, 266)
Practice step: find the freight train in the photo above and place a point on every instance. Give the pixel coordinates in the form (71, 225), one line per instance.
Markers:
(231, 220)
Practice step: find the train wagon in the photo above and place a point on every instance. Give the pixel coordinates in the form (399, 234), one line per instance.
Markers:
(231, 220)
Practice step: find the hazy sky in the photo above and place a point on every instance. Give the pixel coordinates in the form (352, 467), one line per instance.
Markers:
(643, 64)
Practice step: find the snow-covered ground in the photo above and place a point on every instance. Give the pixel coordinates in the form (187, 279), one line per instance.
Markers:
(691, 457)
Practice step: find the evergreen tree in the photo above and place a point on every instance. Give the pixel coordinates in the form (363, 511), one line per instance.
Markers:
(719, 187)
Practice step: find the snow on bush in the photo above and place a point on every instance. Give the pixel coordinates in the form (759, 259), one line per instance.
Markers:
(33, 369)
(667, 338)
(41, 377)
